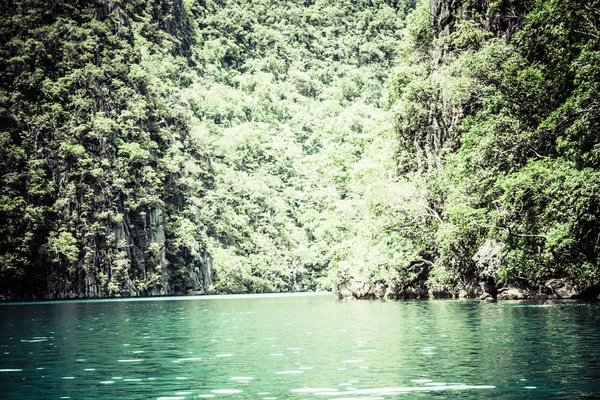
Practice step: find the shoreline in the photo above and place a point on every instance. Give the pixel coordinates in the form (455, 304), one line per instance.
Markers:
(169, 298)
(243, 296)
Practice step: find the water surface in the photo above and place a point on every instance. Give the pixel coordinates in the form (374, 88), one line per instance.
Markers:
(290, 347)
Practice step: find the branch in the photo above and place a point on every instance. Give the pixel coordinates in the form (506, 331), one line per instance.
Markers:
(434, 16)
(434, 214)
(507, 230)
(419, 264)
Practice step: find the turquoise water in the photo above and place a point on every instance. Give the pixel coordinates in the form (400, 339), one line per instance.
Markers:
(306, 347)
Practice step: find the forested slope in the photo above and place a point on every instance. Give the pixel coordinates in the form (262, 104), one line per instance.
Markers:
(385, 149)
(496, 109)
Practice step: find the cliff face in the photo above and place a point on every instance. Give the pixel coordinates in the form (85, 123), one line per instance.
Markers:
(503, 18)
(92, 204)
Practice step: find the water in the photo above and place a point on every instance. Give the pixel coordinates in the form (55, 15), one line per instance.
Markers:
(308, 347)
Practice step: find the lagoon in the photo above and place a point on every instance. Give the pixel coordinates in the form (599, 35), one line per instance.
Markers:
(309, 346)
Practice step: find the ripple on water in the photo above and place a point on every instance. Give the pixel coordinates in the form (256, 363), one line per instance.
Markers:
(10, 370)
(225, 355)
(388, 391)
(361, 398)
(226, 391)
(241, 378)
(314, 390)
(290, 372)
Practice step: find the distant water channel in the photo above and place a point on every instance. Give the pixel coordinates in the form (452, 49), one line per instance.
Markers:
(298, 347)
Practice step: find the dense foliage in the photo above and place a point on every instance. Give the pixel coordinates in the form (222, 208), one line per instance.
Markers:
(141, 140)
(179, 146)
(497, 117)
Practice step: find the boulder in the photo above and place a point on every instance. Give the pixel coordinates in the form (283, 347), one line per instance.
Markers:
(416, 290)
(471, 290)
(351, 288)
(379, 290)
(441, 293)
(342, 291)
(479, 289)
(561, 289)
(511, 292)
(486, 296)
(390, 294)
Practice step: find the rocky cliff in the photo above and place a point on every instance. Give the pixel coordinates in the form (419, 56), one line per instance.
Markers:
(93, 200)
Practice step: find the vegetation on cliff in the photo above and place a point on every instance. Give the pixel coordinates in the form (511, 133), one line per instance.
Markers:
(496, 108)
(176, 146)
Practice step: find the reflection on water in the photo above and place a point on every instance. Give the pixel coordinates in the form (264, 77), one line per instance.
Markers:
(298, 347)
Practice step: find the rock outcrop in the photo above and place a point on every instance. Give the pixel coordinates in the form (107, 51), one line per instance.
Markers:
(357, 288)
(482, 289)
